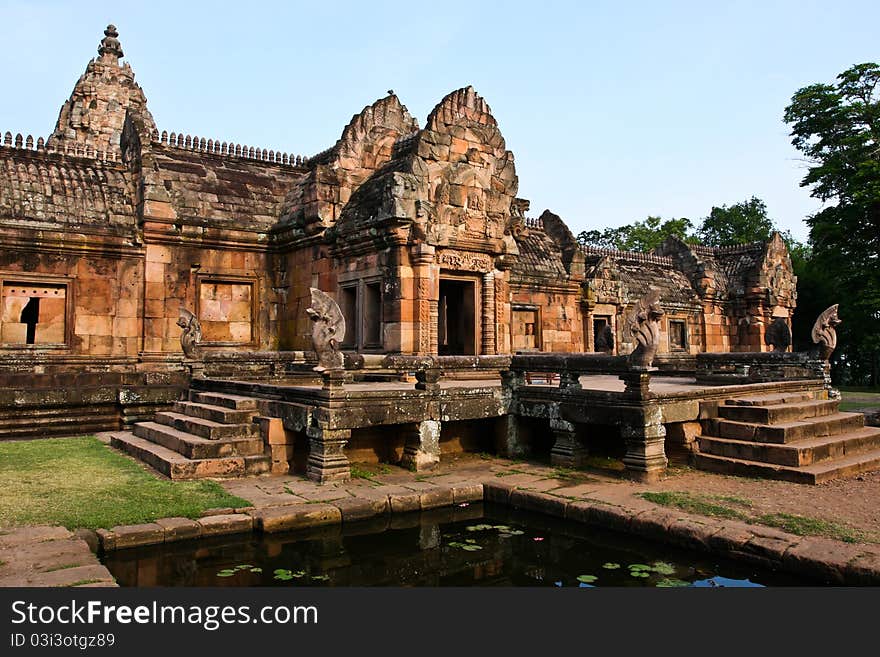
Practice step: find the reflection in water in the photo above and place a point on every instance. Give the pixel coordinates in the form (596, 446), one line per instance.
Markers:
(473, 545)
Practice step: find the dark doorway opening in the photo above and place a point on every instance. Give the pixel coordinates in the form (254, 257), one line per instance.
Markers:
(30, 315)
(603, 337)
(456, 321)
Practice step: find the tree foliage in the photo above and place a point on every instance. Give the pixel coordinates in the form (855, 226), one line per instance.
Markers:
(837, 128)
(639, 236)
(737, 224)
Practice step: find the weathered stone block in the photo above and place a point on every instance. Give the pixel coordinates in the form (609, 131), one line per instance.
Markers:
(127, 536)
(405, 502)
(233, 523)
(284, 518)
(467, 493)
(440, 496)
(179, 529)
(539, 502)
(354, 509)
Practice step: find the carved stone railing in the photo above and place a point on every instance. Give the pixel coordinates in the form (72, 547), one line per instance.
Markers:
(227, 149)
(570, 367)
(28, 143)
(757, 367)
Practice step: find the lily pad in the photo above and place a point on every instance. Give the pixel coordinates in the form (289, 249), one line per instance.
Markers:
(226, 573)
(611, 565)
(320, 578)
(670, 583)
(640, 566)
(587, 579)
(663, 568)
(639, 573)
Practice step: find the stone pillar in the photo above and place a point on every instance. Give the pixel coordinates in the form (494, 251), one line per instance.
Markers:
(425, 302)
(327, 460)
(568, 451)
(644, 436)
(512, 444)
(422, 448)
(488, 314)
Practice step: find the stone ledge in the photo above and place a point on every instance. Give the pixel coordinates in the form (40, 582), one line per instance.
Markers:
(179, 529)
(232, 523)
(834, 561)
(300, 516)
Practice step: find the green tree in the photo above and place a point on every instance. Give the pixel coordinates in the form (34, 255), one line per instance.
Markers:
(837, 128)
(639, 236)
(737, 224)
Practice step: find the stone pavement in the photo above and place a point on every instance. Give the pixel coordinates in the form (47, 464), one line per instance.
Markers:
(46, 556)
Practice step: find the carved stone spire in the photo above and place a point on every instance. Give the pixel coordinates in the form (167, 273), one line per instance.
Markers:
(110, 48)
(94, 114)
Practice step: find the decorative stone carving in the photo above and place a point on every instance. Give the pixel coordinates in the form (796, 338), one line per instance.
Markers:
(192, 333)
(328, 331)
(644, 325)
(465, 261)
(778, 334)
(824, 331)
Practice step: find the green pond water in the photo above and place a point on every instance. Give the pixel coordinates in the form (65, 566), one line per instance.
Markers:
(469, 545)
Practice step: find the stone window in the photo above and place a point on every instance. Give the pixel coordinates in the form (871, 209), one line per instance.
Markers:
(34, 313)
(526, 328)
(372, 315)
(348, 304)
(226, 311)
(677, 335)
(361, 304)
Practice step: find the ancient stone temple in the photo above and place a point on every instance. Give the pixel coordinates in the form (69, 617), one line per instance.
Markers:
(135, 260)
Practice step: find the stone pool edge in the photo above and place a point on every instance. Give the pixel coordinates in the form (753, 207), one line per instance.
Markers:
(817, 557)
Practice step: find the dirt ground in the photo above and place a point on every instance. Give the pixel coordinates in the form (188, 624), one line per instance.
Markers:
(853, 502)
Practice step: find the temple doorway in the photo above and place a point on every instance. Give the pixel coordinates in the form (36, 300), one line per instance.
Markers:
(456, 317)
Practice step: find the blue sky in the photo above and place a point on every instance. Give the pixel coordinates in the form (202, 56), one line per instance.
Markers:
(614, 110)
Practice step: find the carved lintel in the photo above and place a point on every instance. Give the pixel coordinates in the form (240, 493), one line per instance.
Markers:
(824, 332)
(465, 261)
(644, 325)
(328, 331)
(192, 333)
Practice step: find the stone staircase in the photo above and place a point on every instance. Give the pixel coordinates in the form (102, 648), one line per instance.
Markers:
(210, 435)
(790, 436)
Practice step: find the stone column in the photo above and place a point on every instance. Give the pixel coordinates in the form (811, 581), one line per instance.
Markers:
(512, 445)
(644, 436)
(425, 302)
(327, 460)
(568, 451)
(488, 314)
(422, 448)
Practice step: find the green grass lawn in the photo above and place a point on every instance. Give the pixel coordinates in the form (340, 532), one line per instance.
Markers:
(859, 399)
(81, 482)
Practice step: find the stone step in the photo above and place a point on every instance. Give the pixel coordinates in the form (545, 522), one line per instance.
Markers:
(787, 432)
(777, 413)
(801, 453)
(771, 399)
(195, 447)
(176, 466)
(206, 428)
(221, 414)
(227, 400)
(848, 466)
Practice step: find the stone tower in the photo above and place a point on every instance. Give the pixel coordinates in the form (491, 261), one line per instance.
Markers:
(94, 114)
